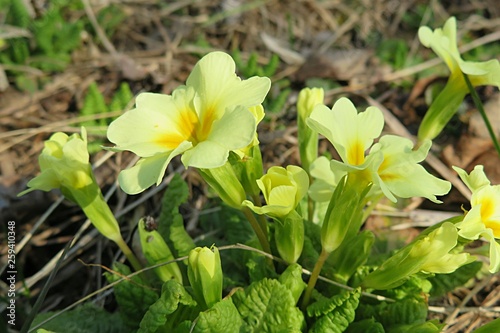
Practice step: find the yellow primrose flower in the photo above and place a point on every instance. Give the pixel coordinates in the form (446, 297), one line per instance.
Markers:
(64, 164)
(204, 120)
(282, 189)
(350, 132)
(483, 219)
(431, 253)
(391, 164)
(397, 173)
(444, 43)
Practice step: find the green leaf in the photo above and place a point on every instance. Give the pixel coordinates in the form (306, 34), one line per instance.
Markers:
(156, 251)
(121, 98)
(390, 315)
(223, 317)
(334, 314)
(366, 326)
(93, 104)
(351, 254)
(172, 294)
(87, 318)
(443, 283)
(291, 278)
(268, 306)
(312, 244)
(432, 326)
(171, 224)
(132, 295)
(491, 327)
(110, 18)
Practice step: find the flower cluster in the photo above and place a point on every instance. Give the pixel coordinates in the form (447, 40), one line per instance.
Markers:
(391, 164)
(214, 113)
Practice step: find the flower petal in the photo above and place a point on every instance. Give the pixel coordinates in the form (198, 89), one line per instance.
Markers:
(235, 130)
(218, 86)
(148, 171)
(161, 122)
(475, 180)
(443, 42)
(350, 133)
(401, 174)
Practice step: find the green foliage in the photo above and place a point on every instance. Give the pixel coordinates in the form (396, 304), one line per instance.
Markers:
(252, 68)
(223, 317)
(93, 104)
(133, 295)
(427, 327)
(443, 283)
(391, 315)
(110, 18)
(366, 326)
(171, 223)
(351, 255)
(393, 52)
(172, 294)
(268, 306)
(334, 314)
(87, 318)
(54, 37)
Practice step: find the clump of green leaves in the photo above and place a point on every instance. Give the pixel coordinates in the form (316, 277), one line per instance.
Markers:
(53, 37)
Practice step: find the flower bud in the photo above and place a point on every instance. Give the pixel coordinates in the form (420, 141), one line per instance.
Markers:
(157, 251)
(283, 189)
(308, 139)
(205, 275)
(289, 236)
(64, 164)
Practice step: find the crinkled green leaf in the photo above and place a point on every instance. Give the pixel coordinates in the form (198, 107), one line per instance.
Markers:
(172, 294)
(403, 312)
(223, 317)
(171, 224)
(132, 295)
(268, 306)
(87, 318)
(432, 326)
(366, 326)
(443, 283)
(334, 314)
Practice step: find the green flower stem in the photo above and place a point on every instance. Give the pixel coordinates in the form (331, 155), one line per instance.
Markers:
(314, 278)
(129, 254)
(261, 235)
(262, 219)
(480, 108)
